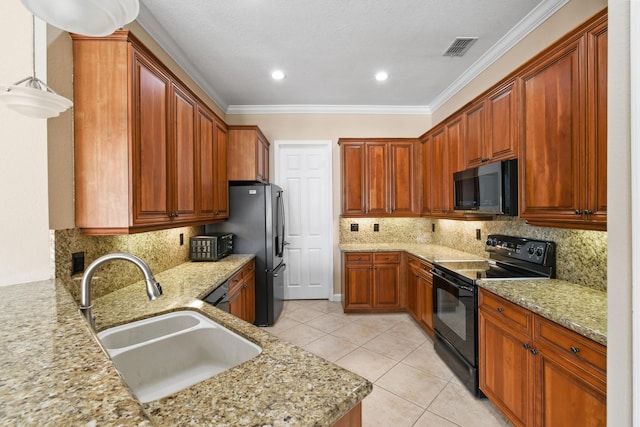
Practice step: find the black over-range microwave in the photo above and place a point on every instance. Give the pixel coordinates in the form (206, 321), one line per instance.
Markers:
(490, 189)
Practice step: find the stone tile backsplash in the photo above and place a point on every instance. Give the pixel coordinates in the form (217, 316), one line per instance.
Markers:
(160, 249)
(581, 255)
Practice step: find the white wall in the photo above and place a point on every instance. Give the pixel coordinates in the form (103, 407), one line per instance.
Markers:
(24, 219)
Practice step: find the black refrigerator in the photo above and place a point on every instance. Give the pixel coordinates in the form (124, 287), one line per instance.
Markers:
(256, 219)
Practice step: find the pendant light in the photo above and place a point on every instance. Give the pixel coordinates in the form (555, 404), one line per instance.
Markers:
(94, 18)
(34, 99)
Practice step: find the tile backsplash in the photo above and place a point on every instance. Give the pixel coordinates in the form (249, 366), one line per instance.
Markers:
(581, 255)
(160, 249)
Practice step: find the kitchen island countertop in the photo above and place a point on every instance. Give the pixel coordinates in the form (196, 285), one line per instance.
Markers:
(54, 372)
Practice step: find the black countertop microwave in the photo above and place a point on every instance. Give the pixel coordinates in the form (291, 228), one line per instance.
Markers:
(490, 189)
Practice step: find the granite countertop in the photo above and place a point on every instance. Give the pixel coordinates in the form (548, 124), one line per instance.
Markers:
(576, 307)
(54, 371)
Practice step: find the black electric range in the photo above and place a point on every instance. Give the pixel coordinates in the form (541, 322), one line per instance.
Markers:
(455, 296)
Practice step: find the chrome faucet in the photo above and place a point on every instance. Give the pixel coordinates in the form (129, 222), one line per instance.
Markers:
(154, 291)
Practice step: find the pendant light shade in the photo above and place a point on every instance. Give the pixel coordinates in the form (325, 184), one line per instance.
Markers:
(87, 17)
(34, 99)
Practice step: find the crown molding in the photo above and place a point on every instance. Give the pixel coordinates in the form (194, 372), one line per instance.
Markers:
(328, 109)
(529, 23)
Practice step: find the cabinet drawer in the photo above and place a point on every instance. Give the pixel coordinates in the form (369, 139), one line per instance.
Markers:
(421, 268)
(235, 281)
(386, 257)
(357, 257)
(570, 344)
(248, 269)
(517, 317)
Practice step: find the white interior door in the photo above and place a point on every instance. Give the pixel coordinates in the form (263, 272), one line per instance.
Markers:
(303, 170)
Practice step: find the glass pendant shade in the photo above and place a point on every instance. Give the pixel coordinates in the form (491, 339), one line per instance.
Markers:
(87, 17)
(34, 99)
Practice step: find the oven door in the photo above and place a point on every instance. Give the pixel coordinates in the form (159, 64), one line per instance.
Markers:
(455, 314)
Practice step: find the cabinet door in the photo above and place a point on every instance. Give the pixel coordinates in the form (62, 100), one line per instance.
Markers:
(221, 185)
(596, 168)
(184, 181)
(426, 148)
(376, 180)
(402, 191)
(353, 181)
(550, 183)
(455, 146)
(151, 155)
(439, 172)
(357, 281)
(476, 141)
(565, 395)
(250, 294)
(206, 140)
(413, 296)
(505, 369)
(386, 286)
(425, 306)
(502, 123)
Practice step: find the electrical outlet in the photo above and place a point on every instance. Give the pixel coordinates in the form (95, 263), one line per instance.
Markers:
(354, 227)
(376, 227)
(77, 263)
(478, 235)
(181, 239)
(433, 228)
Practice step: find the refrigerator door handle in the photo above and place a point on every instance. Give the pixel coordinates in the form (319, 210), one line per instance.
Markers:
(279, 269)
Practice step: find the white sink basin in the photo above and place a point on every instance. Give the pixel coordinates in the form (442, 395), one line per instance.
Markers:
(164, 354)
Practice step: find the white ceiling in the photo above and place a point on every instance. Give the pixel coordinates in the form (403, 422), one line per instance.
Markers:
(331, 49)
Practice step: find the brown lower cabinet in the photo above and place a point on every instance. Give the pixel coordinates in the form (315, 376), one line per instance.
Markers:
(420, 293)
(537, 372)
(372, 281)
(242, 293)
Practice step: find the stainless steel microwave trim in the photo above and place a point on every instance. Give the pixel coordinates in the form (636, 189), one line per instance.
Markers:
(490, 189)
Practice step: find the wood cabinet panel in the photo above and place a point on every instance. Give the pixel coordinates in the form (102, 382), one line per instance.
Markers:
(476, 138)
(427, 167)
(377, 181)
(403, 198)
(184, 137)
(502, 122)
(248, 154)
(372, 281)
(544, 376)
(358, 289)
(440, 185)
(353, 178)
(151, 173)
(420, 293)
(242, 293)
(136, 142)
(221, 184)
(386, 284)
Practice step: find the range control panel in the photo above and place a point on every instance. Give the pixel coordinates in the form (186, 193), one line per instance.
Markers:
(535, 251)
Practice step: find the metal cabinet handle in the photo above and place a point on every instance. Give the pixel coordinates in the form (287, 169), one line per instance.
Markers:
(587, 212)
(534, 351)
(526, 346)
(500, 309)
(574, 350)
(578, 212)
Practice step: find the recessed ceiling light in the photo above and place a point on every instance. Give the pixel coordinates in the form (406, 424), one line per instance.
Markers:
(277, 75)
(381, 76)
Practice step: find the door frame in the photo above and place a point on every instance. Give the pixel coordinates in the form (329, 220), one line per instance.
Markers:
(326, 145)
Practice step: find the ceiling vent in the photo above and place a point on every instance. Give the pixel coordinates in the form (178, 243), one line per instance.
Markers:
(460, 46)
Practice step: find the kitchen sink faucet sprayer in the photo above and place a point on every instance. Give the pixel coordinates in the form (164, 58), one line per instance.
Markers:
(154, 291)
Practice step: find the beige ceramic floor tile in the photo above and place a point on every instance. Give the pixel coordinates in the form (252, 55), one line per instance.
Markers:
(330, 347)
(380, 322)
(426, 359)
(385, 409)
(366, 363)
(412, 384)
(282, 324)
(390, 345)
(429, 419)
(304, 315)
(357, 333)
(301, 335)
(476, 413)
(408, 330)
(326, 306)
(328, 323)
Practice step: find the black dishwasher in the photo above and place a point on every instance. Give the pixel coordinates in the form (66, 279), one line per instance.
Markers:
(219, 298)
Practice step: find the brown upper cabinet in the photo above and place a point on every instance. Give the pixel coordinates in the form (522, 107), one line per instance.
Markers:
(378, 177)
(248, 154)
(491, 126)
(563, 173)
(144, 157)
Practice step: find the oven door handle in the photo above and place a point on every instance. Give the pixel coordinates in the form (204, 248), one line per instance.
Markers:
(454, 281)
